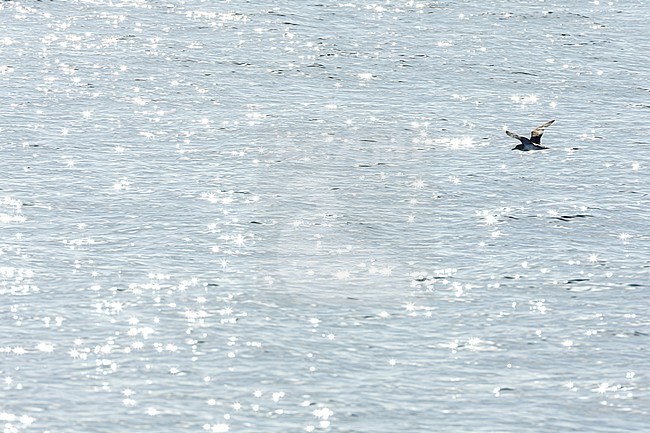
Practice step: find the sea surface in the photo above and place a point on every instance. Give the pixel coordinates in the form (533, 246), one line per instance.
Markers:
(306, 216)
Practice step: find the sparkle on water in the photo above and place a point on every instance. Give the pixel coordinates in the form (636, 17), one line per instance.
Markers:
(283, 216)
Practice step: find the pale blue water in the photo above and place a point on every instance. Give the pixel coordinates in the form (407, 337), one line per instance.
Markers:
(287, 216)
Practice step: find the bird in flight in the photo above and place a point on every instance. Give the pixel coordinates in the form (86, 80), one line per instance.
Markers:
(535, 140)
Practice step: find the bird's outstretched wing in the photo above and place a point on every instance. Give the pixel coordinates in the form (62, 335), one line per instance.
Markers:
(536, 135)
(513, 135)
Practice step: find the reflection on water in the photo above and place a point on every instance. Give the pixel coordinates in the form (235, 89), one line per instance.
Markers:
(243, 217)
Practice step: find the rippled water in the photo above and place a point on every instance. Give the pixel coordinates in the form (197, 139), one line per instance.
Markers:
(288, 216)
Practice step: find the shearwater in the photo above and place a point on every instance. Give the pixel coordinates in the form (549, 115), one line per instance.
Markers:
(535, 141)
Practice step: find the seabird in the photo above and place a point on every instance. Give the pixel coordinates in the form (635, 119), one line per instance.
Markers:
(535, 141)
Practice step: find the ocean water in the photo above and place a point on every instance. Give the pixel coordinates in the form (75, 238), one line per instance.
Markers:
(306, 216)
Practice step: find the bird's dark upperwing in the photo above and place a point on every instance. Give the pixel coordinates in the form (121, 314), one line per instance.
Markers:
(536, 135)
(513, 135)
